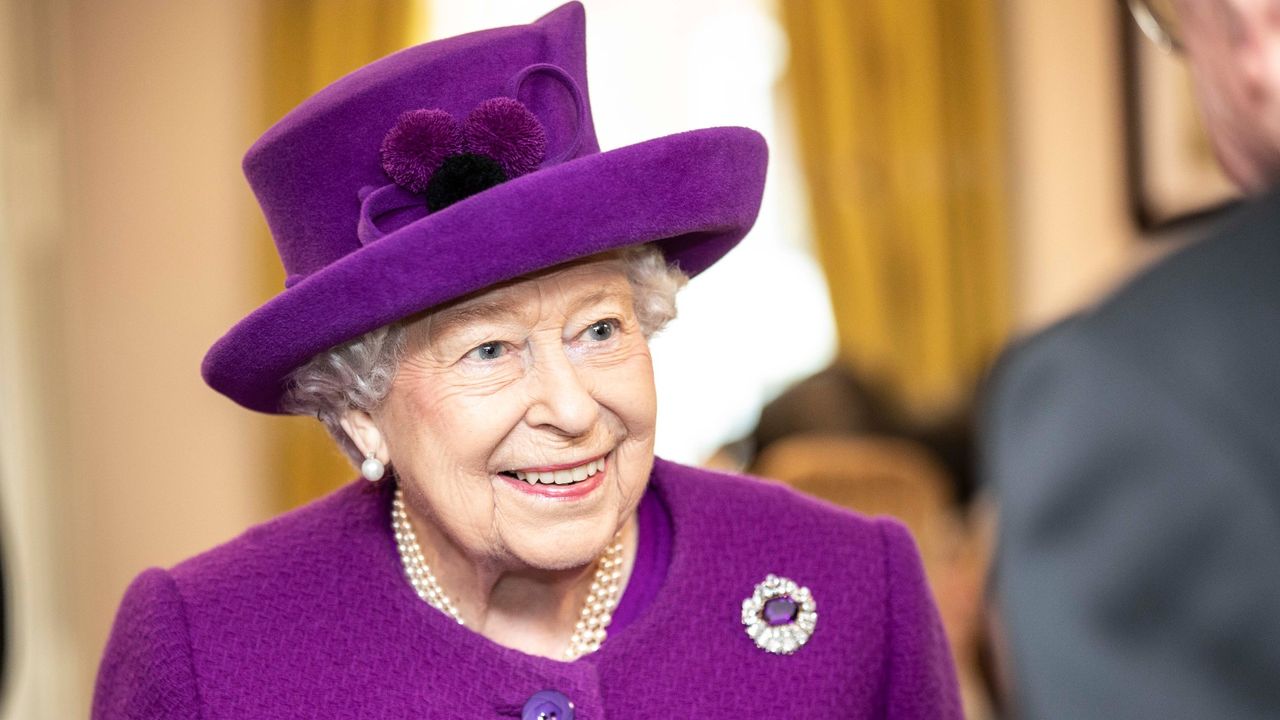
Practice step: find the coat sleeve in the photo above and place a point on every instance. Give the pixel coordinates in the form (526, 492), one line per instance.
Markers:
(921, 674)
(146, 671)
(1136, 568)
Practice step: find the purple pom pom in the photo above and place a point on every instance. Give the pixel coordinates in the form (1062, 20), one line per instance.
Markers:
(505, 130)
(420, 141)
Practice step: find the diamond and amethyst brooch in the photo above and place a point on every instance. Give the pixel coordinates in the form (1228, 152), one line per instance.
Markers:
(779, 616)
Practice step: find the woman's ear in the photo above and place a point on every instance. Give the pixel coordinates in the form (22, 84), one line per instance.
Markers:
(362, 430)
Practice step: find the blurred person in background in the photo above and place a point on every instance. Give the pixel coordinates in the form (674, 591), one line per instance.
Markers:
(1135, 448)
(471, 288)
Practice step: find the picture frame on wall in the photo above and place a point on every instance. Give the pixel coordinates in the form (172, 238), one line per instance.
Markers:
(1174, 178)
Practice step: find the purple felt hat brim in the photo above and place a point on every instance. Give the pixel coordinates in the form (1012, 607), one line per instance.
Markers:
(694, 194)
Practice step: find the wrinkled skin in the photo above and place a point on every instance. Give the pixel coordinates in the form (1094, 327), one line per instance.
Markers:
(1233, 50)
(544, 371)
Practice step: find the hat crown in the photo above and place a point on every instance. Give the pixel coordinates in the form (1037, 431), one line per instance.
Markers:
(347, 182)
(312, 169)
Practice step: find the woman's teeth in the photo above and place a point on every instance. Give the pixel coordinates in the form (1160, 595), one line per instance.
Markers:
(562, 477)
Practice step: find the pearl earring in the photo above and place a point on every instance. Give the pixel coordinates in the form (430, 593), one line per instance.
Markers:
(372, 468)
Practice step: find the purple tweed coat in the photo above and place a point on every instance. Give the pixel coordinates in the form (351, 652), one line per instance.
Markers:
(309, 616)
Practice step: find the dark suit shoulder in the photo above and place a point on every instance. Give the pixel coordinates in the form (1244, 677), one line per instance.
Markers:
(1224, 284)
(1202, 326)
(1134, 448)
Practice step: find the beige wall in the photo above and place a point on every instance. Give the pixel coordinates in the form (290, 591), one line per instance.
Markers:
(1073, 237)
(130, 461)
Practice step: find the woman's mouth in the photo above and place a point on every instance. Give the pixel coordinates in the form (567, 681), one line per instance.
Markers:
(560, 480)
(567, 476)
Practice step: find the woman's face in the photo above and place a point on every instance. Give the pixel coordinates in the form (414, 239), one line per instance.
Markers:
(521, 420)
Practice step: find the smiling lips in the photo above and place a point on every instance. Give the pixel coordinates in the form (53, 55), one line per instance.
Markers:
(561, 475)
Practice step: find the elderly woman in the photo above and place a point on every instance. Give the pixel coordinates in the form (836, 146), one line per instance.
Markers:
(471, 288)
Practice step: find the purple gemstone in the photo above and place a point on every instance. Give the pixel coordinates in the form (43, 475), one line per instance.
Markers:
(780, 611)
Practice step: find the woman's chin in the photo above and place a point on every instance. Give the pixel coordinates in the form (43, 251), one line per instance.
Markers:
(562, 547)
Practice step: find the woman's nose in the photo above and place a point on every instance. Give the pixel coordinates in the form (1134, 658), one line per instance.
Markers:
(561, 400)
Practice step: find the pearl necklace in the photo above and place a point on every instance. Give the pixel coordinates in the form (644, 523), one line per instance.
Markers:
(597, 612)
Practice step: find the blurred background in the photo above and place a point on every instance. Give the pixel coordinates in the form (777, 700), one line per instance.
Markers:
(945, 176)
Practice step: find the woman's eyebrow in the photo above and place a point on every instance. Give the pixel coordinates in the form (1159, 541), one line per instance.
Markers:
(456, 318)
(601, 296)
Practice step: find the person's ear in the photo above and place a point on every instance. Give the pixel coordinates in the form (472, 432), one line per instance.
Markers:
(364, 432)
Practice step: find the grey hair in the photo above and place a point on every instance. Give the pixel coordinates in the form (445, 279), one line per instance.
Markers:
(357, 374)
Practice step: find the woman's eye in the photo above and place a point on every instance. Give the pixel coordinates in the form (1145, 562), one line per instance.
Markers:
(601, 330)
(488, 351)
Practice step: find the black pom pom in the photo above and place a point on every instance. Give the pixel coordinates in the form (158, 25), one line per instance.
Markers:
(460, 177)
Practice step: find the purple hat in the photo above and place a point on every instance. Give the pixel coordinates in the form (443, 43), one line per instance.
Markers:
(455, 165)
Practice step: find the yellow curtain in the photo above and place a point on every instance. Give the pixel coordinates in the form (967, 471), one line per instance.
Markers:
(307, 44)
(900, 119)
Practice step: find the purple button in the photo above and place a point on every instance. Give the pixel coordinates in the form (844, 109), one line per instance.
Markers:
(780, 611)
(547, 705)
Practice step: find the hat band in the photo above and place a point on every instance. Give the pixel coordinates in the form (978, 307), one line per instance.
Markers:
(384, 202)
(379, 203)
(579, 103)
